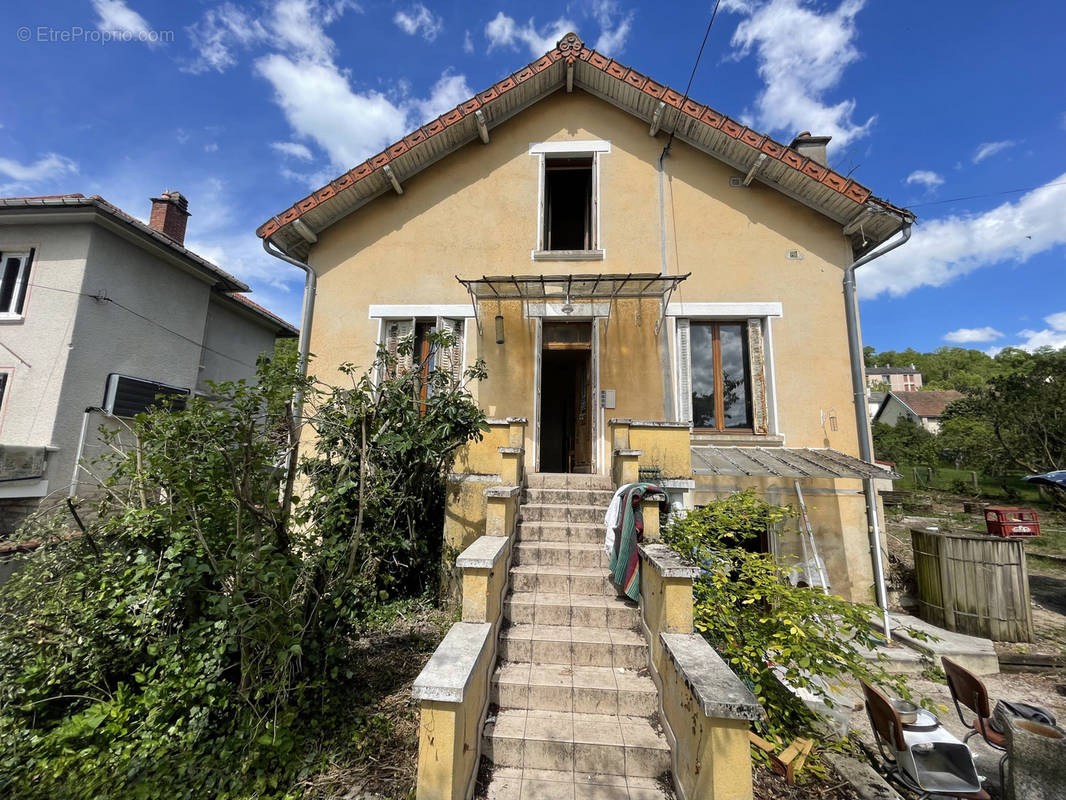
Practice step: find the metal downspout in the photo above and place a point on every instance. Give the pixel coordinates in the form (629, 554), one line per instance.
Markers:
(304, 345)
(862, 420)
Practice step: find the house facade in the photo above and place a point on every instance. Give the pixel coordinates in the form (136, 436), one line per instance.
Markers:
(645, 279)
(899, 379)
(99, 313)
(922, 408)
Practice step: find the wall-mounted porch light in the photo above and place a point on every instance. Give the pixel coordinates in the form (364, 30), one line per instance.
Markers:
(499, 329)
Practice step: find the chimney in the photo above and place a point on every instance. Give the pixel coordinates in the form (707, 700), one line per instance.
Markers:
(169, 215)
(813, 147)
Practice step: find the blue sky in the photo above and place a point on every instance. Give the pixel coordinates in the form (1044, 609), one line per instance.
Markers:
(246, 105)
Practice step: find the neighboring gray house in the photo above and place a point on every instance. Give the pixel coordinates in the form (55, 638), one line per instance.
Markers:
(100, 311)
(924, 408)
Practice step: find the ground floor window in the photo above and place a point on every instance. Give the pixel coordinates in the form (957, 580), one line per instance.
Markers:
(722, 375)
(425, 356)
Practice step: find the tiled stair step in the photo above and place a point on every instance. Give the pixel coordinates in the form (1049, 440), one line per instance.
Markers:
(513, 783)
(552, 480)
(552, 512)
(574, 646)
(569, 742)
(576, 610)
(564, 579)
(578, 497)
(579, 532)
(559, 554)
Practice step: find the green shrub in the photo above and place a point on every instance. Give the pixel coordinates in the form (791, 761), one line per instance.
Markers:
(756, 620)
(193, 643)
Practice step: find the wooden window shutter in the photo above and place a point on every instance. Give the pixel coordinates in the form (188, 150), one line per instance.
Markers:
(757, 356)
(396, 331)
(451, 358)
(684, 372)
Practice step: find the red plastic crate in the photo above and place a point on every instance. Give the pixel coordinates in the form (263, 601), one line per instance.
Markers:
(1011, 521)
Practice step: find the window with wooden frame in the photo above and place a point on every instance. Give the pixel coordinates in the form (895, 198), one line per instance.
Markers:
(423, 353)
(14, 281)
(722, 375)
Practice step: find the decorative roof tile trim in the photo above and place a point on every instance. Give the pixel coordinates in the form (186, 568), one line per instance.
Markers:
(570, 48)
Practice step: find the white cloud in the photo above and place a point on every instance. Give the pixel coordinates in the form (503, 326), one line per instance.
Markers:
(925, 177)
(448, 92)
(802, 55)
(219, 34)
(989, 149)
(211, 147)
(468, 43)
(294, 26)
(972, 335)
(943, 249)
(1053, 336)
(614, 25)
(293, 149)
(419, 20)
(48, 167)
(503, 31)
(114, 16)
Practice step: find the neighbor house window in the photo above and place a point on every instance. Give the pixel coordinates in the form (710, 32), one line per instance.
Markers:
(3, 388)
(722, 375)
(568, 204)
(14, 281)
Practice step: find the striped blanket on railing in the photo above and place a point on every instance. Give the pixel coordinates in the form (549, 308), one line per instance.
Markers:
(627, 531)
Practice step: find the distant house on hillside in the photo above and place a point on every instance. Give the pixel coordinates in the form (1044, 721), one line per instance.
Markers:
(100, 313)
(899, 379)
(925, 408)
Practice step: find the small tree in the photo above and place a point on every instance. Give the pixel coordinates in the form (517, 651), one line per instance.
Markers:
(765, 627)
(906, 442)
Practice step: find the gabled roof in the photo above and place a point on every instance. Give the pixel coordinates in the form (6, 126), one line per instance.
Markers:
(570, 65)
(25, 205)
(225, 284)
(911, 370)
(928, 405)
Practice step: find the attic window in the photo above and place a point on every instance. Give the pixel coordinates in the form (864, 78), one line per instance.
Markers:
(568, 202)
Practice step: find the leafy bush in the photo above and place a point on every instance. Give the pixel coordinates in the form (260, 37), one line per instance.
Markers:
(752, 615)
(905, 442)
(194, 641)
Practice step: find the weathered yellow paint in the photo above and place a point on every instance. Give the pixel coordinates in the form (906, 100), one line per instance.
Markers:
(440, 741)
(484, 457)
(476, 595)
(837, 511)
(650, 512)
(668, 449)
(511, 468)
(711, 754)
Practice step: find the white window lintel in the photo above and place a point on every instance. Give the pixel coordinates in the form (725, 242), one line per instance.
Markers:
(570, 146)
(723, 310)
(429, 311)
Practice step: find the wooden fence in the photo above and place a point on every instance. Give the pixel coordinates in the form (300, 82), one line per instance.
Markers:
(973, 583)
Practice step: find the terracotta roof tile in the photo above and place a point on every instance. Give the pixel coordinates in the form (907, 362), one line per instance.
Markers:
(571, 48)
(928, 404)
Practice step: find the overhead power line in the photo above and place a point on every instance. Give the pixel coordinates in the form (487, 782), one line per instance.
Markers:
(983, 196)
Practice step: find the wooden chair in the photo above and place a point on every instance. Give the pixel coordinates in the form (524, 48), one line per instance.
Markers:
(968, 690)
(888, 730)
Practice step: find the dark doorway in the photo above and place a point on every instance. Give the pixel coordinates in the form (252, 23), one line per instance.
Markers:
(566, 398)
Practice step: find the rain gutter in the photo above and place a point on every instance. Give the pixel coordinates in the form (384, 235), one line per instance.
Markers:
(862, 419)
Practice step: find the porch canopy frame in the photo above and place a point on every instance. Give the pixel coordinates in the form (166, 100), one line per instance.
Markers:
(604, 286)
(796, 463)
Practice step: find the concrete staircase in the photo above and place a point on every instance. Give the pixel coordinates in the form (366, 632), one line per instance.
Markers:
(574, 713)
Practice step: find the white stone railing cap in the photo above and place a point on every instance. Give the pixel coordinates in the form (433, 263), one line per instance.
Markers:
(668, 562)
(483, 553)
(503, 491)
(447, 675)
(717, 689)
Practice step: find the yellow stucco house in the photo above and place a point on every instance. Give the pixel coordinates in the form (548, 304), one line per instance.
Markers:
(615, 251)
(656, 291)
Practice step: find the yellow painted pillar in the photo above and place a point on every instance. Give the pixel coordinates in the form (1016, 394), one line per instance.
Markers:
(440, 742)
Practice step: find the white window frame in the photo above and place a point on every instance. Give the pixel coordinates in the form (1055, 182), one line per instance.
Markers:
(569, 149)
(26, 257)
(686, 313)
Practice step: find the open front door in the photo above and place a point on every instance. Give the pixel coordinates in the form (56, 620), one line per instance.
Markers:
(566, 397)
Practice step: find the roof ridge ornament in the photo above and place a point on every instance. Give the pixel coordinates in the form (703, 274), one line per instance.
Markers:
(570, 46)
